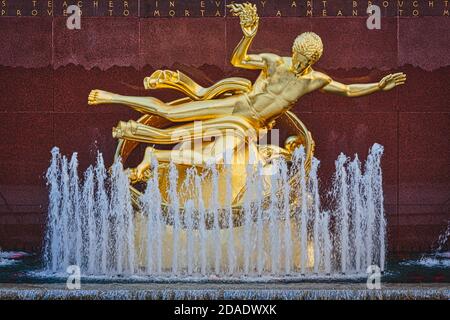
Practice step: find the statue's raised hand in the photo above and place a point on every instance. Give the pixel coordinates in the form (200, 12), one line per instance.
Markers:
(392, 80)
(248, 16)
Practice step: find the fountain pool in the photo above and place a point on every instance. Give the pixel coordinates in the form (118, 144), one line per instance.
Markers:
(92, 224)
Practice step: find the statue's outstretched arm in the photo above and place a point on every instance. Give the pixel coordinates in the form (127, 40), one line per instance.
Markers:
(357, 90)
(249, 23)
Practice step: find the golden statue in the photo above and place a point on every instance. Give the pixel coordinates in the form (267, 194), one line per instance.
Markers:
(232, 107)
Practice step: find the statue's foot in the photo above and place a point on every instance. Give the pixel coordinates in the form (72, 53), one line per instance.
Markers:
(99, 96)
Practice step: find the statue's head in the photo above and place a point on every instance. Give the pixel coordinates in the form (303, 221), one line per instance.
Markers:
(306, 50)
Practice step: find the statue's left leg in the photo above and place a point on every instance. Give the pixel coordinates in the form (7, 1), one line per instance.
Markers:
(184, 157)
(189, 111)
(223, 150)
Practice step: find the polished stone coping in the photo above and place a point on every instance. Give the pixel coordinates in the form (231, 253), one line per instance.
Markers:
(220, 291)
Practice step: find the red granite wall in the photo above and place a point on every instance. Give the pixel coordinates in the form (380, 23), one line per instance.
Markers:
(47, 71)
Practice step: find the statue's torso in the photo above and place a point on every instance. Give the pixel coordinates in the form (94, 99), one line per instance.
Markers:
(277, 89)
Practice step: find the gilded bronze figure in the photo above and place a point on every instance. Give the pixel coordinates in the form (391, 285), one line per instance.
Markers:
(232, 107)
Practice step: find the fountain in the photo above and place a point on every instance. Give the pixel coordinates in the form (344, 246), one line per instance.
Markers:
(438, 257)
(443, 239)
(92, 223)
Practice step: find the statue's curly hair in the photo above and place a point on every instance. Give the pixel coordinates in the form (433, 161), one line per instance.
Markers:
(309, 45)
